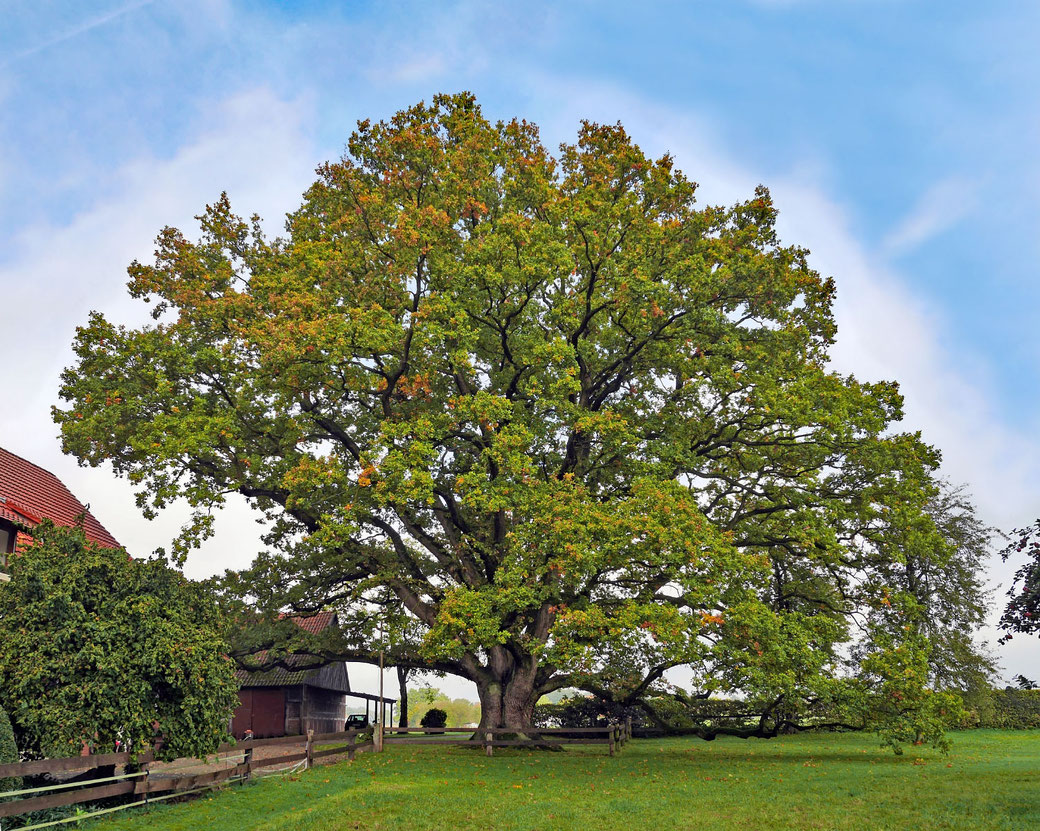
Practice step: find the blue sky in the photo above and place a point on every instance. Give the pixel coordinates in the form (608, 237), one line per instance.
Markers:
(899, 139)
(887, 103)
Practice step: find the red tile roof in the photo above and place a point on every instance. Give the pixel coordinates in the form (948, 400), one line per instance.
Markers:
(10, 511)
(314, 623)
(28, 493)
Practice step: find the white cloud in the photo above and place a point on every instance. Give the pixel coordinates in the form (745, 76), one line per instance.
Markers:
(425, 67)
(256, 147)
(886, 332)
(939, 209)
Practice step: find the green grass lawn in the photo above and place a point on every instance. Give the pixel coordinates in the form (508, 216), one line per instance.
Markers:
(991, 780)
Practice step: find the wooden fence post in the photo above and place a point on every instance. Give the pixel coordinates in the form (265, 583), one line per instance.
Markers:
(351, 744)
(247, 760)
(610, 739)
(488, 749)
(628, 728)
(142, 783)
(309, 749)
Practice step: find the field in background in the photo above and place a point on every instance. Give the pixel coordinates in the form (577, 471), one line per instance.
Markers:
(811, 781)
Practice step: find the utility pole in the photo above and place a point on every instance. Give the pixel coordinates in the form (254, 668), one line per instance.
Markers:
(382, 704)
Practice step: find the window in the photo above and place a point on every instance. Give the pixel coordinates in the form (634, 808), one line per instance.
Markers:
(7, 540)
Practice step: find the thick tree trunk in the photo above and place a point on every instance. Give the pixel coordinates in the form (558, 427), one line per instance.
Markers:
(506, 705)
(508, 697)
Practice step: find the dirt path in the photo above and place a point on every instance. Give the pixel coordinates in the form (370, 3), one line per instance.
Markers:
(211, 764)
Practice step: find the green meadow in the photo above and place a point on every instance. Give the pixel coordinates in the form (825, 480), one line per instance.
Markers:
(990, 780)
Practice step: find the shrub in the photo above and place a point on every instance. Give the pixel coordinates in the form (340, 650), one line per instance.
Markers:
(979, 707)
(576, 711)
(675, 711)
(118, 646)
(434, 717)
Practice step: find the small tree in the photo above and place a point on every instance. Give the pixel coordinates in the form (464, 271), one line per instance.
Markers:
(96, 647)
(941, 577)
(950, 586)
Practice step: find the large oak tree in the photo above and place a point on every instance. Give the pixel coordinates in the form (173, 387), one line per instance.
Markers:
(553, 420)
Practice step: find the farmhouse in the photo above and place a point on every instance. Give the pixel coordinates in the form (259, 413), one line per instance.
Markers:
(286, 702)
(30, 494)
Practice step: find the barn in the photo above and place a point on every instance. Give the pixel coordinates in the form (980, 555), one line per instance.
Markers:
(288, 702)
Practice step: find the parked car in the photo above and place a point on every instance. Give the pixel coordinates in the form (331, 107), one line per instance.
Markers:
(357, 721)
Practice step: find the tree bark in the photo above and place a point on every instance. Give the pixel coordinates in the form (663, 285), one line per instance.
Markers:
(507, 696)
(402, 680)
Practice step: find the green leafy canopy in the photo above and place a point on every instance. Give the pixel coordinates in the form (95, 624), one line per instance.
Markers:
(562, 424)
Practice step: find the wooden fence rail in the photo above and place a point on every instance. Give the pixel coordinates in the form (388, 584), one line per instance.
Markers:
(152, 778)
(612, 735)
(153, 782)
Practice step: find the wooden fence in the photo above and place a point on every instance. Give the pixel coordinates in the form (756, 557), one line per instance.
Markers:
(613, 736)
(145, 780)
(157, 781)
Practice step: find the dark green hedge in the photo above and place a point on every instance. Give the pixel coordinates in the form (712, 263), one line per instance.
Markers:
(1014, 710)
(1007, 709)
(586, 711)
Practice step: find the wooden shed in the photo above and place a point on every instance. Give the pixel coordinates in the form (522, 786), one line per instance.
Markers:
(288, 702)
(280, 702)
